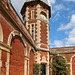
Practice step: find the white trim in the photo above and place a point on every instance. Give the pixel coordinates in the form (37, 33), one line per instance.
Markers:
(25, 67)
(31, 49)
(1, 33)
(38, 33)
(1, 39)
(28, 67)
(12, 34)
(71, 64)
(7, 63)
(25, 61)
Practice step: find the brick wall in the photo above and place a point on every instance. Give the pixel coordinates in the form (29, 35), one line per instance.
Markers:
(43, 33)
(17, 57)
(4, 59)
(73, 66)
(7, 28)
(68, 55)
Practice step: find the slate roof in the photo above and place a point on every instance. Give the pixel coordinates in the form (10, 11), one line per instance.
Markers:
(45, 1)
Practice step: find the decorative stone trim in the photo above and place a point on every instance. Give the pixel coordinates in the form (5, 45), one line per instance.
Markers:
(4, 47)
(71, 64)
(32, 50)
(38, 57)
(0, 64)
(14, 33)
(25, 66)
(38, 13)
(28, 67)
(26, 14)
(1, 33)
(38, 33)
(7, 63)
(27, 58)
(25, 73)
(36, 20)
(43, 49)
(1, 44)
(43, 44)
(48, 34)
(27, 25)
(66, 52)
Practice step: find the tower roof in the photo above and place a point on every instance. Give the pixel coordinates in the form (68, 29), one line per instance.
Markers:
(42, 2)
(45, 1)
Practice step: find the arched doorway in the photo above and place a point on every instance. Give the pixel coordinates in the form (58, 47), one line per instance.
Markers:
(73, 65)
(17, 57)
(31, 62)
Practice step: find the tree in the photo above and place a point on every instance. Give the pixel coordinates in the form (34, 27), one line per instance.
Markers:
(59, 66)
(37, 68)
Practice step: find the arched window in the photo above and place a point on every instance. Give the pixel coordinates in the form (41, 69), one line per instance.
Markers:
(43, 15)
(72, 65)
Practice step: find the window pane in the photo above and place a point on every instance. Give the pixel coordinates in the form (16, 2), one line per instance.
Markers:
(33, 31)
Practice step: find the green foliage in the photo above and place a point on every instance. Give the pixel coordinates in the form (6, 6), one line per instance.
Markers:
(59, 66)
(37, 68)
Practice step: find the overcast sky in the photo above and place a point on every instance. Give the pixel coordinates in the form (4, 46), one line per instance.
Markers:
(62, 22)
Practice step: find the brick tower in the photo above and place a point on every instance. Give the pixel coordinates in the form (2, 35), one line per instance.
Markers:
(36, 14)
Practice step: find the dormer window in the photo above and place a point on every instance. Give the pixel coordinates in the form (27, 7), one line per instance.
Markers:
(32, 14)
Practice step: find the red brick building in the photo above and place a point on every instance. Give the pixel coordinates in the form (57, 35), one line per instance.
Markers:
(25, 42)
(67, 53)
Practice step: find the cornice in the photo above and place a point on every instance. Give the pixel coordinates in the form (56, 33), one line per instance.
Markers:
(37, 19)
(5, 47)
(43, 49)
(66, 52)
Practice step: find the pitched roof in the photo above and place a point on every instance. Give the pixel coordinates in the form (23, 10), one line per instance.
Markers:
(45, 1)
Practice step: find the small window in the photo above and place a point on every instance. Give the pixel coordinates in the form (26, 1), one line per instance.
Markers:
(32, 6)
(32, 14)
(43, 15)
(33, 31)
